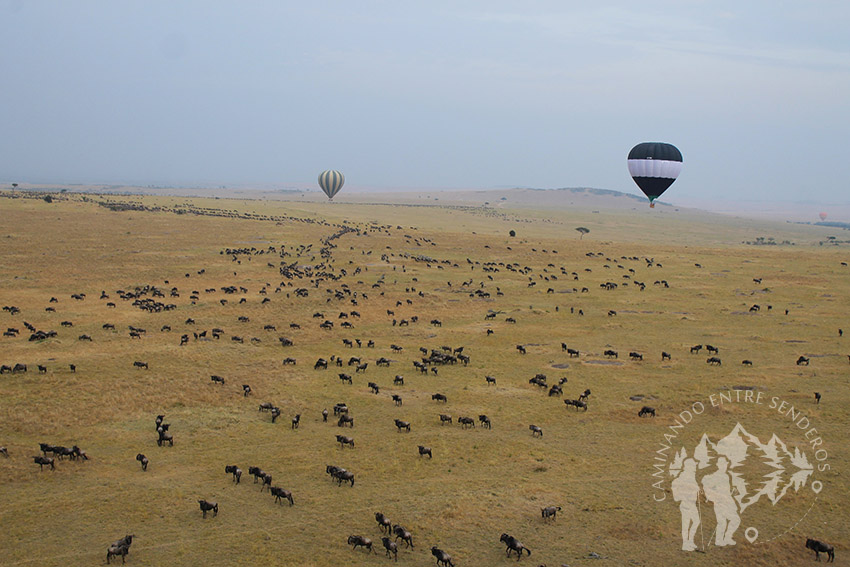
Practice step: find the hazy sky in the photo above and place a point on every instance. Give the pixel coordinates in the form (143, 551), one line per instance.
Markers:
(450, 94)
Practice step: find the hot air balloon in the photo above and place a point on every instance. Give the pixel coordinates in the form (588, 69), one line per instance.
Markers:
(822, 216)
(654, 166)
(331, 182)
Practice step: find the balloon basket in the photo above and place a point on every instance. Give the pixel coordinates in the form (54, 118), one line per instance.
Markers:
(652, 205)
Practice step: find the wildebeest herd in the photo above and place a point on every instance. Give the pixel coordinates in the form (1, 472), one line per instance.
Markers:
(359, 301)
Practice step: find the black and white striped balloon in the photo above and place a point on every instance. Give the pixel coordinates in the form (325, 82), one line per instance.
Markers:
(331, 182)
(654, 166)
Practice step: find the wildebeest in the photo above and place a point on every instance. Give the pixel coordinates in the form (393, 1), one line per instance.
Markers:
(404, 535)
(521, 349)
(345, 420)
(246, 389)
(513, 544)
(140, 364)
(549, 512)
(610, 353)
(321, 363)
(665, 356)
(143, 461)
(275, 411)
(164, 437)
(584, 395)
(439, 397)
(423, 450)
(714, 361)
(443, 558)
(573, 353)
(374, 387)
(485, 421)
(357, 540)
(535, 430)
(4, 452)
(490, 380)
(280, 494)
(114, 550)
(383, 522)
(695, 349)
(820, 547)
(344, 440)
(235, 471)
(398, 380)
(817, 398)
(345, 378)
(397, 399)
(802, 361)
(390, 546)
(343, 475)
(361, 367)
(635, 356)
(207, 506)
(464, 421)
(217, 379)
(266, 406)
(646, 411)
(712, 349)
(402, 425)
(747, 362)
(445, 419)
(295, 421)
(41, 461)
(578, 404)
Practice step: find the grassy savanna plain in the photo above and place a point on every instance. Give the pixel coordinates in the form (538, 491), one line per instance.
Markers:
(596, 465)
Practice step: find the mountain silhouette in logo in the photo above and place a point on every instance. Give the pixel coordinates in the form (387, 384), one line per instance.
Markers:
(765, 464)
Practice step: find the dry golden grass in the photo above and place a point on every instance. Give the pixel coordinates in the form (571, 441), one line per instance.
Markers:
(596, 465)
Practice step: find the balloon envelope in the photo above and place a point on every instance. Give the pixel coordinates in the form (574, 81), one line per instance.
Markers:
(654, 166)
(331, 182)
(822, 216)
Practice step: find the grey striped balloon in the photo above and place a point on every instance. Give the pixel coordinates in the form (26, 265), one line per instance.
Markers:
(331, 182)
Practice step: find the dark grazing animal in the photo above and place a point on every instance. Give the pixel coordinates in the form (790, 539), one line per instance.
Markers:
(443, 558)
(513, 544)
(402, 425)
(207, 506)
(535, 430)
(295, 421)
(344, 440)
(140, 364)
(345, 420)
(361, 541)
(439, 397)
(383, 522)
(549, 512)
(217, 379)
(404, 535)
(802, 361)
(646, 411)
(817, 397)
(578, 404)
(41, 461)
(235, 471)
(397, 399)
(490, 380)
(280, 494)
(610, 353)
(423, 450)
(713, 360)
(665, 356)
(584, 395)
(485, 421)
(390, 546)
(464, 421)
(820, 547)
(116, 550)
(143, 460)
(445, 419)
